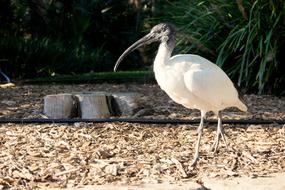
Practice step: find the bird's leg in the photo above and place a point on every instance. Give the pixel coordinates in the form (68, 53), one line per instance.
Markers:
(220, 132)
(200, 131)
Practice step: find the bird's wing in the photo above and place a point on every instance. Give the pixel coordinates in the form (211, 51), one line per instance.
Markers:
(210, 85)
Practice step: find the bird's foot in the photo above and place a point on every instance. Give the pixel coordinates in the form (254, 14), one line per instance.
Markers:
(225, 140)
(215, 145)
(194, 161)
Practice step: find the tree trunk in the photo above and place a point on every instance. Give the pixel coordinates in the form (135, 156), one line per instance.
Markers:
(92, 106)
(60, 106)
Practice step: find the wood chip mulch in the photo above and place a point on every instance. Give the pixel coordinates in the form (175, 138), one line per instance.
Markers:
(60, 155)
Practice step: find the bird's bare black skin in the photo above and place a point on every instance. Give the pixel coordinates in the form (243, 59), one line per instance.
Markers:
(161, 32)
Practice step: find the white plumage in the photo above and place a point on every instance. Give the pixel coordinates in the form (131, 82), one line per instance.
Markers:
(190, 80)
(195, 82)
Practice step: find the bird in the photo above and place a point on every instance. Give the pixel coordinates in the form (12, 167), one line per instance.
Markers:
(190, 80)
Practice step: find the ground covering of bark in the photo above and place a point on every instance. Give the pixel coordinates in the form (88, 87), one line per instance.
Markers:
(61, 155)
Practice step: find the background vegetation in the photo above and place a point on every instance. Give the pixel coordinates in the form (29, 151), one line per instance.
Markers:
(42, 38)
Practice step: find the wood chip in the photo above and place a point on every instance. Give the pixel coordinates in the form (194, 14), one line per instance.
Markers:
(65, 172)
(179, 167)
(68, 155)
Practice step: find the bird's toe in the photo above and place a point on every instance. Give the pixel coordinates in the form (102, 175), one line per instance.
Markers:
(214, 147)
(194, 161)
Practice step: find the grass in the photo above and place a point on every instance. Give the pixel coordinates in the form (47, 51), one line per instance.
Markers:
(116, 77)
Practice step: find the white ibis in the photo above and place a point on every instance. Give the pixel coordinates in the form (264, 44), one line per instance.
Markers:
(190, 80)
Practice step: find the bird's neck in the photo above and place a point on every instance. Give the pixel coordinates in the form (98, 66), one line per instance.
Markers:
(164, 53)
(161, 64)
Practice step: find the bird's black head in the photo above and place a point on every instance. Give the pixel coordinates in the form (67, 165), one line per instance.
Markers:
(163, 32)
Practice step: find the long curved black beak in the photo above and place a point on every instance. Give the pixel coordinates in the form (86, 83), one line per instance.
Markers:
(147, 39)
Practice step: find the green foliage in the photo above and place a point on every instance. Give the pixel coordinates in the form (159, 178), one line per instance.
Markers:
(62, 37)
(256, 41)
(114, 77)
(246, 38)
(44, 38)
(29, 58)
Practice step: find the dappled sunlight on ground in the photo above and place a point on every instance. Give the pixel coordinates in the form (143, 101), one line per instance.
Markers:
(61, 155)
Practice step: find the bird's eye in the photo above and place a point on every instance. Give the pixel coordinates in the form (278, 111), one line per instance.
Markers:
(159, 31)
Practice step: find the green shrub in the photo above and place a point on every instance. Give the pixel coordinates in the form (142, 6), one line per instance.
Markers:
(113, 77)
(28, 58)
(45, 37)
(245, 38)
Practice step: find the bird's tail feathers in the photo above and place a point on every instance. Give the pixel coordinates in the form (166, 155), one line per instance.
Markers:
(242, 106)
